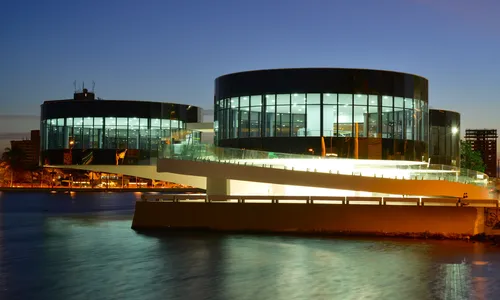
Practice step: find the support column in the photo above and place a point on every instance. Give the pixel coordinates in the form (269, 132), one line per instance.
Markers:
(217, 186)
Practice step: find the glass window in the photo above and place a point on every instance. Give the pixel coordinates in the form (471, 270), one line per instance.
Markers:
(425, 122)
(255, 122)
(373, 100)
(313, 115)
(345, 99)
(244, 101)
(283, 99)
(387, 101)
(143, 123)
(408, 103)
(387, 122)
(330, 120)
(398, 102)
(345, 120)
(145, 139)
(298, 125)
(283, 120)
(270, 116)
(244, 124)
(298, 99)
(165, 124)
(234, 102)
(77, 133)
(133, 123)
(174, 124)
(256, 100)
(270, 100)
(313, 98)
(97, 142)
(155, 123)
(133, 137)
(122, 132)
(298, 115)
(373, 124)
(329, 98)
(360, 99)
(409, 124)
(360, 117)
(155, 139)
(398, 123)
(110, 133)
(417, 120)
(123, 122)
(233, 128)
(98, 122)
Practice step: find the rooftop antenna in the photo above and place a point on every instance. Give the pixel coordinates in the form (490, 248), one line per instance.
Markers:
(93, 86)
(74, 85)
(83, 85)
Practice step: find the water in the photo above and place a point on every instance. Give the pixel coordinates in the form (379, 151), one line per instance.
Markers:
(80, 246)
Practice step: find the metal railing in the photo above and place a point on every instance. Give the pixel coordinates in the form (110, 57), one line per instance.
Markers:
(405, 170)
(340, 200)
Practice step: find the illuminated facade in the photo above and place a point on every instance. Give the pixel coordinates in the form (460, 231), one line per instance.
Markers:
(87, 131)
(350, 113)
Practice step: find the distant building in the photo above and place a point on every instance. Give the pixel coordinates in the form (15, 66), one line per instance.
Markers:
(485, 141)
(30, 149)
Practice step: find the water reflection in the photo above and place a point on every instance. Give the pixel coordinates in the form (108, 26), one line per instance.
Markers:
(81, 247)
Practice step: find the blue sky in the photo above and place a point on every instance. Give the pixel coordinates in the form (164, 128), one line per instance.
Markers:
(173, 50)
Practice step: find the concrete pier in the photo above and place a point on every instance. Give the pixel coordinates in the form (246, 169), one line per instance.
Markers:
(379, 218)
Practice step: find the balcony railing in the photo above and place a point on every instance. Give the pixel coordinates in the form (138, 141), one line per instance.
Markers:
(404, 170)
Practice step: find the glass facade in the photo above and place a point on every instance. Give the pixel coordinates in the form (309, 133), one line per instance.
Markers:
(321, 114)
(444, 143)
(107, 133)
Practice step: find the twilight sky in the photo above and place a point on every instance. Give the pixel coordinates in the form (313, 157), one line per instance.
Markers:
(173, 50)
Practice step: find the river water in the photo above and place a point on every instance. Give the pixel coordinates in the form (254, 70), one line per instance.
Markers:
(80, 246)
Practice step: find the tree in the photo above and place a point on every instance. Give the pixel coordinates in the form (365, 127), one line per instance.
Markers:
(470, 159)
(12, 159)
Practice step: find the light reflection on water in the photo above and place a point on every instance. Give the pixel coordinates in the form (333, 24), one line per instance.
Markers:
(81, 247)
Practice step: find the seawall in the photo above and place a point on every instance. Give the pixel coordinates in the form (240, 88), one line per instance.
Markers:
(451, 222)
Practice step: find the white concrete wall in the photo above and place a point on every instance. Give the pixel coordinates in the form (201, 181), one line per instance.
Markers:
(144, 172)
(432, 188)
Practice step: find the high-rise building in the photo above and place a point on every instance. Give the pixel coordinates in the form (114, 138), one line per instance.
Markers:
(485, 141)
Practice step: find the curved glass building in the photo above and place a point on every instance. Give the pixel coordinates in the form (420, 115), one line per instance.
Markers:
(83, 130)
(444, 144)
(351, 113)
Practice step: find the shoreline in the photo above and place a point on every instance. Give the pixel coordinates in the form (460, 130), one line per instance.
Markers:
(99, 190)
(478, 238)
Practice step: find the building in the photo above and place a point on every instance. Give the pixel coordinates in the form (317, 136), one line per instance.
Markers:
(300, 132)
(30, 149)
(444, 137)
(83, 130)
(485, 141)
(351, 113)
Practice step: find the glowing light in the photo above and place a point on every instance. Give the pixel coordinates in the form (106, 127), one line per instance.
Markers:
(454, 130)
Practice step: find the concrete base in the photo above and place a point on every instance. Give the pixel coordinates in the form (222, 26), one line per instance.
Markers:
(363, 219)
